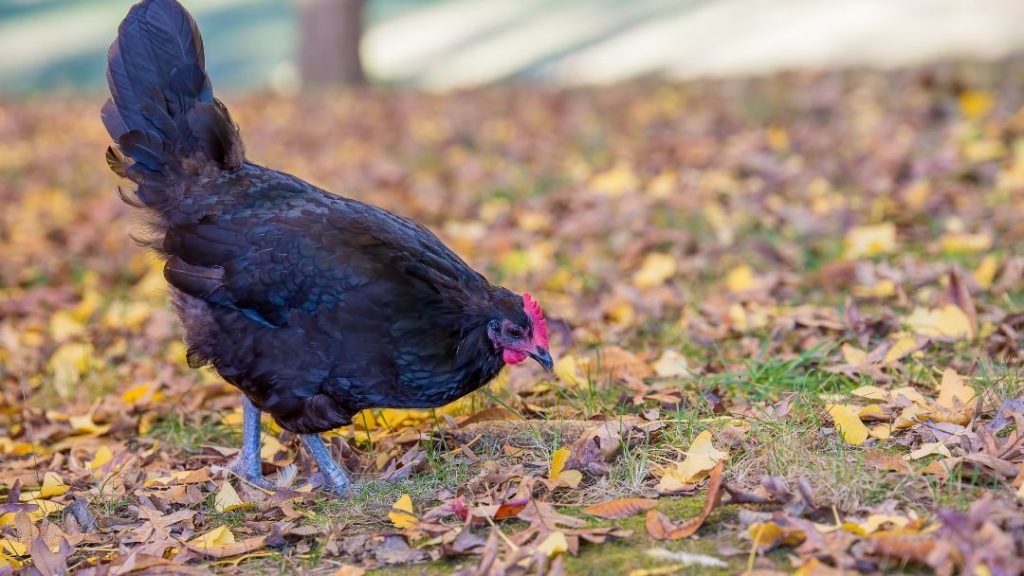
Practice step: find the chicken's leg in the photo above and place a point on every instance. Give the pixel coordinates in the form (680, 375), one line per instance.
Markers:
(248, 466)
(334, 477)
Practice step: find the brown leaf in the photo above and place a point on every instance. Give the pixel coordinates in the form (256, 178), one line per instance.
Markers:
(233, 549)
(621, 508)
(660, 527)
(48, 562)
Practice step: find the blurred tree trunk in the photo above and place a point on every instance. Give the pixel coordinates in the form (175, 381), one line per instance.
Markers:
(329, 35)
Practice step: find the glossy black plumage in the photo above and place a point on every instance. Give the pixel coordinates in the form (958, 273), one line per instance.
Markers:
(314, 305)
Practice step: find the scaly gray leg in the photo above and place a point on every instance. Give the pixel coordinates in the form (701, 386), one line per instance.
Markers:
(334, 476)
(248, 466)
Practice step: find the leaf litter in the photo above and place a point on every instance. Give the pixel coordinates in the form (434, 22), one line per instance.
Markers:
(787, 315)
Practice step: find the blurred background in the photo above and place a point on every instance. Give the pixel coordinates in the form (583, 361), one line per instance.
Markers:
(440, 44)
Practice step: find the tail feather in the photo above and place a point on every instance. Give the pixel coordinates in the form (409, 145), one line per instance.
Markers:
(162, 109)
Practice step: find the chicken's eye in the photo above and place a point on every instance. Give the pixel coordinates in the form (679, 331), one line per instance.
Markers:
(515, 332)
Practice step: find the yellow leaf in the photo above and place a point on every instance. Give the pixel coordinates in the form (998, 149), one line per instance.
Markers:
(216, 538)
(671, 364)
(401, 514)
(870, 393)
(126, 314)
(615, 181)
(13, 547)
(975, 103)
(854, 356)
(953, 393)
(179, 477)
(881, 432)
(271, 447)
(985, 273)
(778, 139)
(910, 416)
(910, 394)
(946, 322)
(567, 369)
(557, 472)
(917, 194)
(554, 544)
(901, 347)
(534, 221)
(866, 241)
(64, 326)
(6, 560)
(84, 425)
(881, 289)
(927, 450)
(983, 150)
(768, 534)
(68, 363)
(849, 425)
(871, 411)
(102, 457)
(700, 459)
(876, 521)
(44, 509)
(620, 311)
(558, 460)
(140, 391)
(662, 185)
(53, 485)
(656, 268)
(742, 279)
(961, 243)
(10, 447)
(176, 352)
(227, 499)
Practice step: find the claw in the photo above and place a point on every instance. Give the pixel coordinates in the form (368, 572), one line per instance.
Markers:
(335, 478)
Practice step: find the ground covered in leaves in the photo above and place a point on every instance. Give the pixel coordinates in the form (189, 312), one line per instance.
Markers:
(788, 316)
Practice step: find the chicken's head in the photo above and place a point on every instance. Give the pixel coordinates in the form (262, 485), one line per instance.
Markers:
(522, 336)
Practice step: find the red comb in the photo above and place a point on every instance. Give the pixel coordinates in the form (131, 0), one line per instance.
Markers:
(540, 327)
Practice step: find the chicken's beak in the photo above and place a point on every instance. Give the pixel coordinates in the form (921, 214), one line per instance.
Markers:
(543, 357)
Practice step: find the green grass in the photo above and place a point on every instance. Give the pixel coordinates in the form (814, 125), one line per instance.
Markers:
(186, 434)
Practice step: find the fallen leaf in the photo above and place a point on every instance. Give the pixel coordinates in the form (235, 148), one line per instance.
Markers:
(742, 279)
(671, 364)
(901, 347)
(660, 527)
(620, 508)
(557, 473)
(854, 356)
(218, 537)
(553, 545)
(866, 241)
(848, 423)
(401, 514)
(568, 370)
(227, 499)
(700, 458)
(946, 322)
(655, 270)
(768, 535)
(929, 449)
(953, 393)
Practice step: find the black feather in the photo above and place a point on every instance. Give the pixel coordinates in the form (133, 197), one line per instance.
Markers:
(314, 305)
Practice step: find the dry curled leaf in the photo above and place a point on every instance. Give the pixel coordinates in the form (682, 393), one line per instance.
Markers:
(620, 508)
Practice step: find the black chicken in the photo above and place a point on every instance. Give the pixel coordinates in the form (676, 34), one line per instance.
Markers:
(313, 305)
